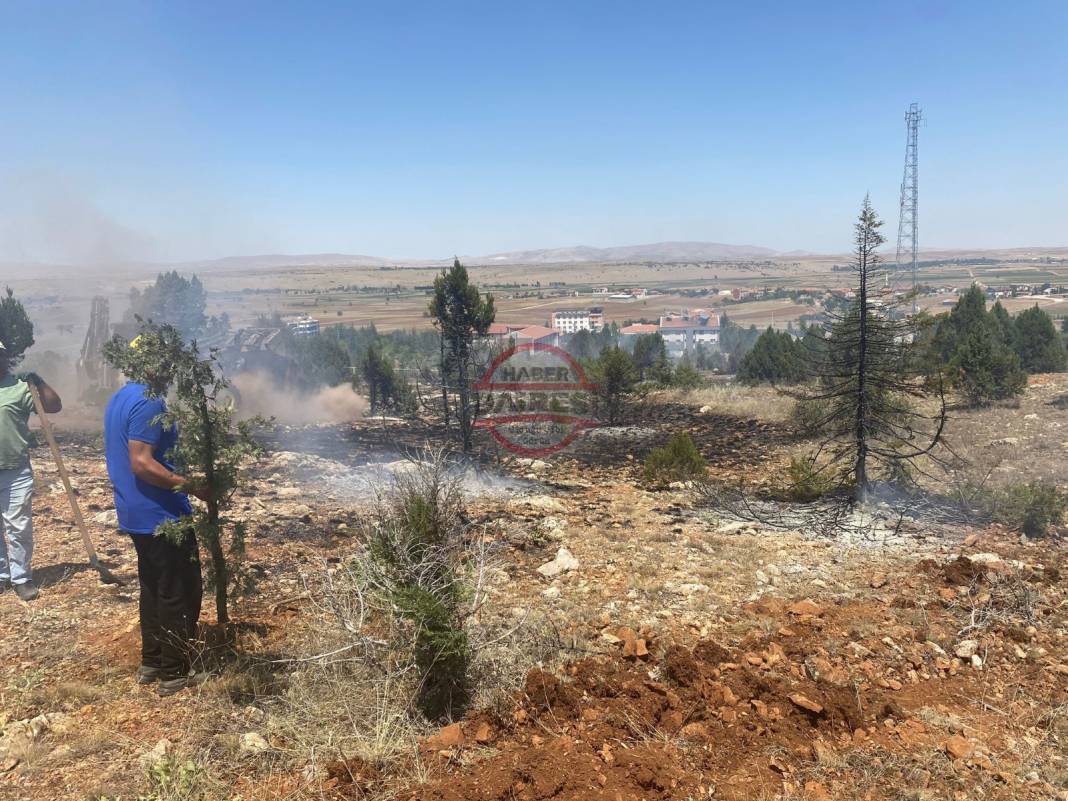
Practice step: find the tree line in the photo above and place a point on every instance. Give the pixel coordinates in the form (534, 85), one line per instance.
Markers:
(985, 354)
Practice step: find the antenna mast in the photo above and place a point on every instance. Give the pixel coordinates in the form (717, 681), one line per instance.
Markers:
(908, 215)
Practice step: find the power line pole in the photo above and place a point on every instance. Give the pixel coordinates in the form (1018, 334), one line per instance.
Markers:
(908, 215)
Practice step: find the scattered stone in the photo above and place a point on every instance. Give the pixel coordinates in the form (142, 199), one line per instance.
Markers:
(966, 649)
(563, 562)
(254, 743)
(158, 753)
(451, 736)
(957, 747)
(806, 703)
(108, 518)
(542, 503)
(484, 734)
(878, 581)
(805, 607)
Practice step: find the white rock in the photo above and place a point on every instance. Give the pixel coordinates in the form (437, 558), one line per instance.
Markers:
(108, 518)
(966, 649)
(551, 593)
(543, 503)
(977, 662)
(563, 562)
(253, 743)
(158, 753)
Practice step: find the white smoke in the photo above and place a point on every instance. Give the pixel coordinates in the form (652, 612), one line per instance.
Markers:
(260, 394)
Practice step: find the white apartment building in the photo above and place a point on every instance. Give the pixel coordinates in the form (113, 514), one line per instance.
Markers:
(568, 321)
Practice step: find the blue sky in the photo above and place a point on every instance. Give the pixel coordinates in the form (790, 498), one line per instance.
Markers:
(408, 129)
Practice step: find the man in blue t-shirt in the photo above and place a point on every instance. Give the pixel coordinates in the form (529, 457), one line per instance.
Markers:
(147, 493)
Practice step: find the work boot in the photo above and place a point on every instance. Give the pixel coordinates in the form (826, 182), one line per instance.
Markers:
(27, 591)
(168, 687)
(146, 674)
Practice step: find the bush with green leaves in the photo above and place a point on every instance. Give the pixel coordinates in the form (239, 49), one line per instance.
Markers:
(1032, 508)
(213, 451)
(678, 460)
(416, 549)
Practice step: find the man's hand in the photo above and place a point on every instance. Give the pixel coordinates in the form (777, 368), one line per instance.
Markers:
(50, 400)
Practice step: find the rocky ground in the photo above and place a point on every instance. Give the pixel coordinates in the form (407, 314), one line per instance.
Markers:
(699, 657)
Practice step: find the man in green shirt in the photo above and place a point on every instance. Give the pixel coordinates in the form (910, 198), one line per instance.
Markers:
(16, 477)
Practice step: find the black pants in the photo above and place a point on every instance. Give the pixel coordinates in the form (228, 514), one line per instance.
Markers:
(171, 590)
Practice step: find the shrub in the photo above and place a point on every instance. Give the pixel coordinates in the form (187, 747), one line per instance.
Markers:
(415, 549)
(679, 460)
(1032, 508)
(807, 481)
(810, 414)
(686, 375)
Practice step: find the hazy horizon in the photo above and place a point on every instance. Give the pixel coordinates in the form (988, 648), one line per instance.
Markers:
(151, 133)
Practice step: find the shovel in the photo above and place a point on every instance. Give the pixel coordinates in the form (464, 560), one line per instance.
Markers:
(106, 576)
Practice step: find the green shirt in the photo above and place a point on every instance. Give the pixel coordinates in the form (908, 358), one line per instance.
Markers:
(16, 404)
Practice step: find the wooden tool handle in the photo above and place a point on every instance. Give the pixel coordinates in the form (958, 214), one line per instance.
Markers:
(46, 426)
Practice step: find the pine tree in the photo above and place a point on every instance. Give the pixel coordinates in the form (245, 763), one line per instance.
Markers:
(650, 357)
(461, 314)
(973, 342)
(866, 384)
(16, 330)
(1037, 343)
(176, 301)
(776, 358)
(616, 378)
(212, 449)
(1004, 322)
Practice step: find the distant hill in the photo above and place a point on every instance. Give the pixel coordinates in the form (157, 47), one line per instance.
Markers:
(269, 260)
(658, 251)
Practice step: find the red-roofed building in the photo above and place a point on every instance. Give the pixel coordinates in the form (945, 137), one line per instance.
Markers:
(638, 329)
(498, 332)
(539, 334)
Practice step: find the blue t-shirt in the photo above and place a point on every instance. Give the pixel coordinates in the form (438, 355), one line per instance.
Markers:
(132, 416)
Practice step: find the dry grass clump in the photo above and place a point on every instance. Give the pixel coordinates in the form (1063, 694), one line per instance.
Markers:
(735, 400)
(401, 637)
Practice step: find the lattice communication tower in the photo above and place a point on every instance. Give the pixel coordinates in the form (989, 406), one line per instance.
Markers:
(908, 216)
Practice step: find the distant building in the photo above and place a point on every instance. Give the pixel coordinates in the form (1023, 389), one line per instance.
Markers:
(684, 333)
(499, 331)
(637, 329)
(568, 321)
(538, 334)
(303, 326)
